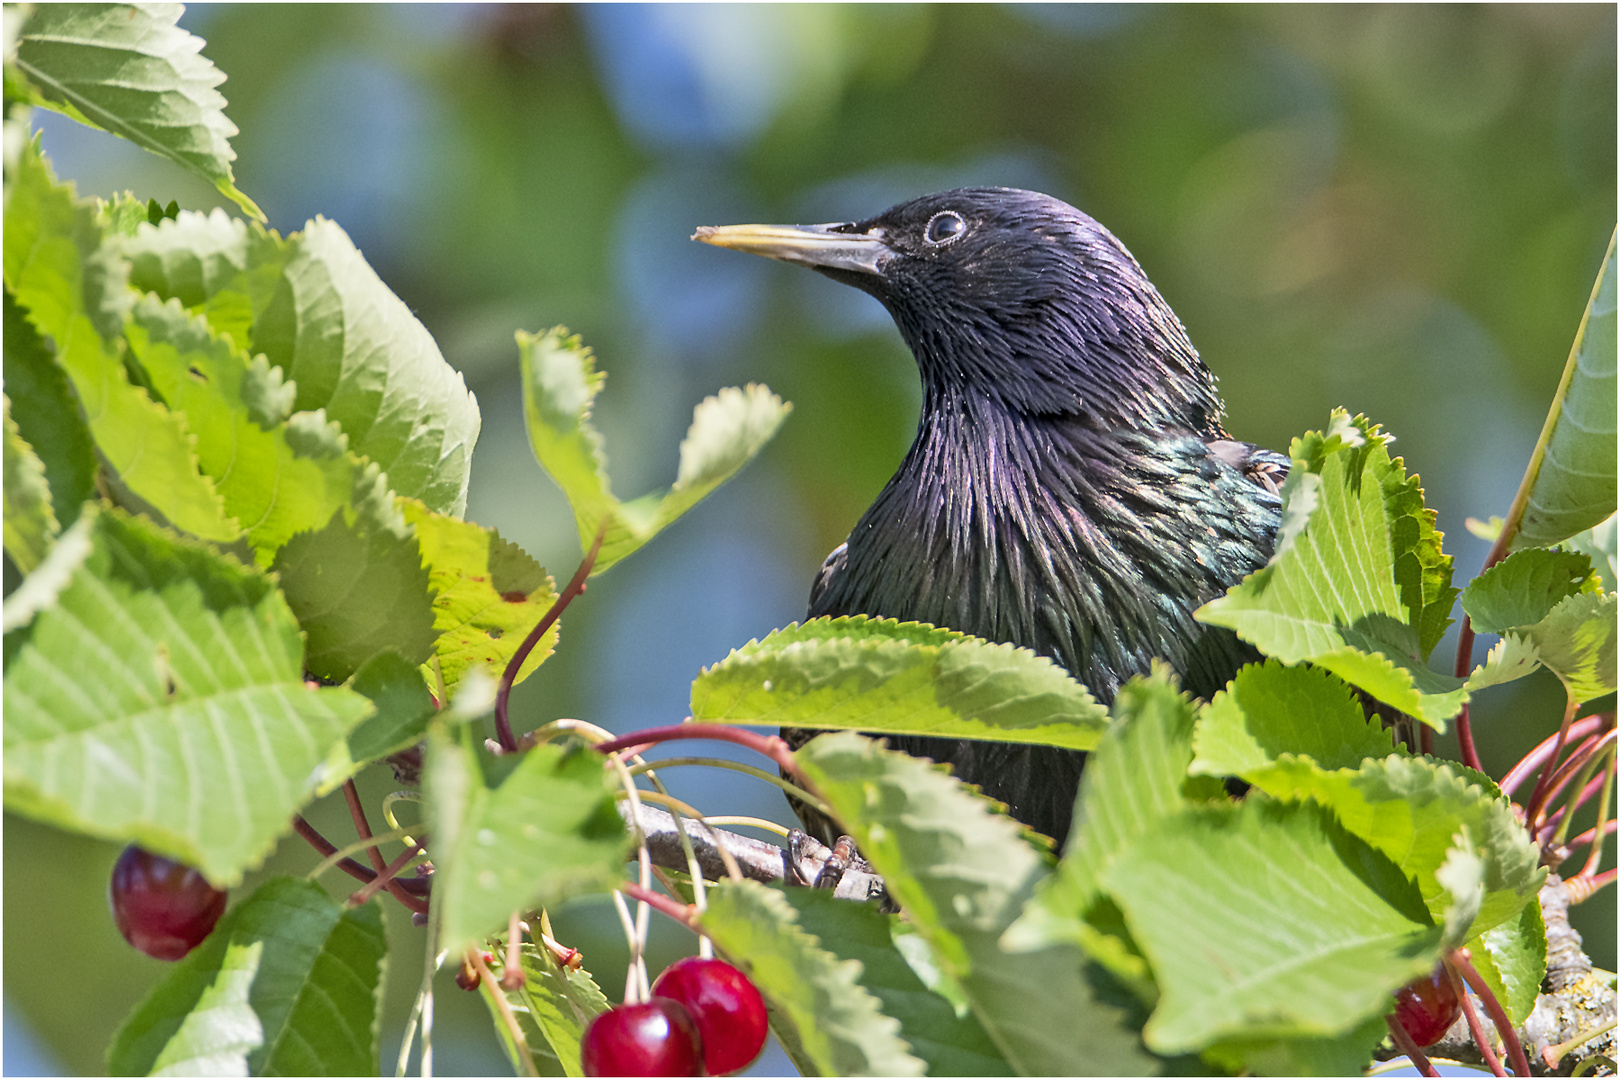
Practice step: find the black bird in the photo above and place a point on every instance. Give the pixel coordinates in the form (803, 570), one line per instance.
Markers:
(1070, 489)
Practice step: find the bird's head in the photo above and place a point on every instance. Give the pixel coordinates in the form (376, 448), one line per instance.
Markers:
(1012, 296)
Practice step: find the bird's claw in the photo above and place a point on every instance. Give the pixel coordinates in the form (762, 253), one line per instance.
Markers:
(840, 868)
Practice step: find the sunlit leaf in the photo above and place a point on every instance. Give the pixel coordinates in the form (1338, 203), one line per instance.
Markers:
(1523, 588)
(288, 984)
(47, 416)
(560, 384)
(129, 69)
(1512, 958)
(558, 1004)
(823, 1015)
(867, 674)
(1358, 584)
(30, 522)
(197, 737)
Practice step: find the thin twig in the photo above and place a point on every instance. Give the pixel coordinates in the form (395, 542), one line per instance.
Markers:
(681, 913)
(1532, 761)
(1579, 761)
(770, 746)
(1538, 795)
(576, 585)
(1499, 1016)
(327, 848)
(390, 872)
(1404, 1043)
(1475, 1028)
(504, 1007)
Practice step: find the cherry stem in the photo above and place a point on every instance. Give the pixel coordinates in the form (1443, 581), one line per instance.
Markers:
(1578, 762)
(681, 913)
(1535, 758)
(1465, 664)
(1573, 804)
(1538, 795)
(327, 848)
(1403, 1043)
(1499, 1016)
(576, 585)
(1582, 887)
(770, 746)
(512, 978)
(352, 795)
(513, 1029)
(389, 873)
(1475, 1029)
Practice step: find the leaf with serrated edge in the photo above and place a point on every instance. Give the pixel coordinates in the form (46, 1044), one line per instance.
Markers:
(1267, 920)
(30, 522)
(1512, 959)
(948, 1044)
(1361, 587)
(1523, 588)
(487, 595)
(358, 585)
(835, 1022)
(1270, 709)
(547, 832)
(288, 984)
(48, 241)
(47, 416)
(560, 384)
(1597, 543)
(197, 737)
(1512, 658)
(864, 674)
(1410, 809)
(1136, 776)
(560, 1003)
(129, 69)
(404, 707)
(962, 871)
(1570, 483)
(40, 589)
(1576, 642)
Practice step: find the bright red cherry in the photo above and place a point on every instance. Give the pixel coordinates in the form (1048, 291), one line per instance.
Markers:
(728, 1010)
(162, 907)
(1427, 1006)
(651, 1038)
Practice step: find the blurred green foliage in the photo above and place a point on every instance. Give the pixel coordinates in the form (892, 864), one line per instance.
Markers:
(1396, 209)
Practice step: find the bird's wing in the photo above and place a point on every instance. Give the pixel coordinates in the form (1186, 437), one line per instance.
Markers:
(1266, 469)
(831, 567)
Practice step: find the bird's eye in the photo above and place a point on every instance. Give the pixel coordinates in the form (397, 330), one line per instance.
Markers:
(944, 227)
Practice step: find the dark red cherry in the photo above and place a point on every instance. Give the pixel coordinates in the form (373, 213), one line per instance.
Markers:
(728, 1010)
(651, 1038)
(1427, 1006)
(162, 907)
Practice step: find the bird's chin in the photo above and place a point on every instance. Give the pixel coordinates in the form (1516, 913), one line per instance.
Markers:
(851, 257)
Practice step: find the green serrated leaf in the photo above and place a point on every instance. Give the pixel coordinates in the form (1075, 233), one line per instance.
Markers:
(488, 595)
(962, 871)
(549, 830)
(1358, 584)
(1271, 709)
(835, 1023)
(1411, 809)
(865, 674)
(1598, 543)
(197, 738)
(1512, 959)
(274, 490)
(288, 984)
(404, 707)
(1570, 483)
(129, 69)
(560, 384)
(358, 585)
(948, 1044)
(1267, 920)
(30, 522)
(51, 242)
(47, 415)
(1576, 642)
(559, 1004)
(1523, 588)
(40, 589)
(1137, 776)
(1512, 658)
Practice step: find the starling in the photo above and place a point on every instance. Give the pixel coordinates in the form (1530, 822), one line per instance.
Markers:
(1070, 488)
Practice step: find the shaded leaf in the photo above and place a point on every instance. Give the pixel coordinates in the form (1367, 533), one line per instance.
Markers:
(1570, 483)
(487, 595)
(49, 240)
(358, 585)
(404, 707)
(288, 984)
(948, 1044)
(1598, 543)
(40, 589)
(129, 69)
(47, 416)
(560, 384)
(865, 674)
(1523, 588)
(1267, 920)
(1576, 642)
(1512, 959)
(962, 872)
(1331, 1055)
(1358, 583)
(836, 1027)
(30, 522)
(197, 738)
(549, 830)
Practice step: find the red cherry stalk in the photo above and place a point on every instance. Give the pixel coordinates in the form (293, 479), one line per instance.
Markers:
(513, 1029)
(1405, 1044)
(576, 585)
(1504, 1026)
